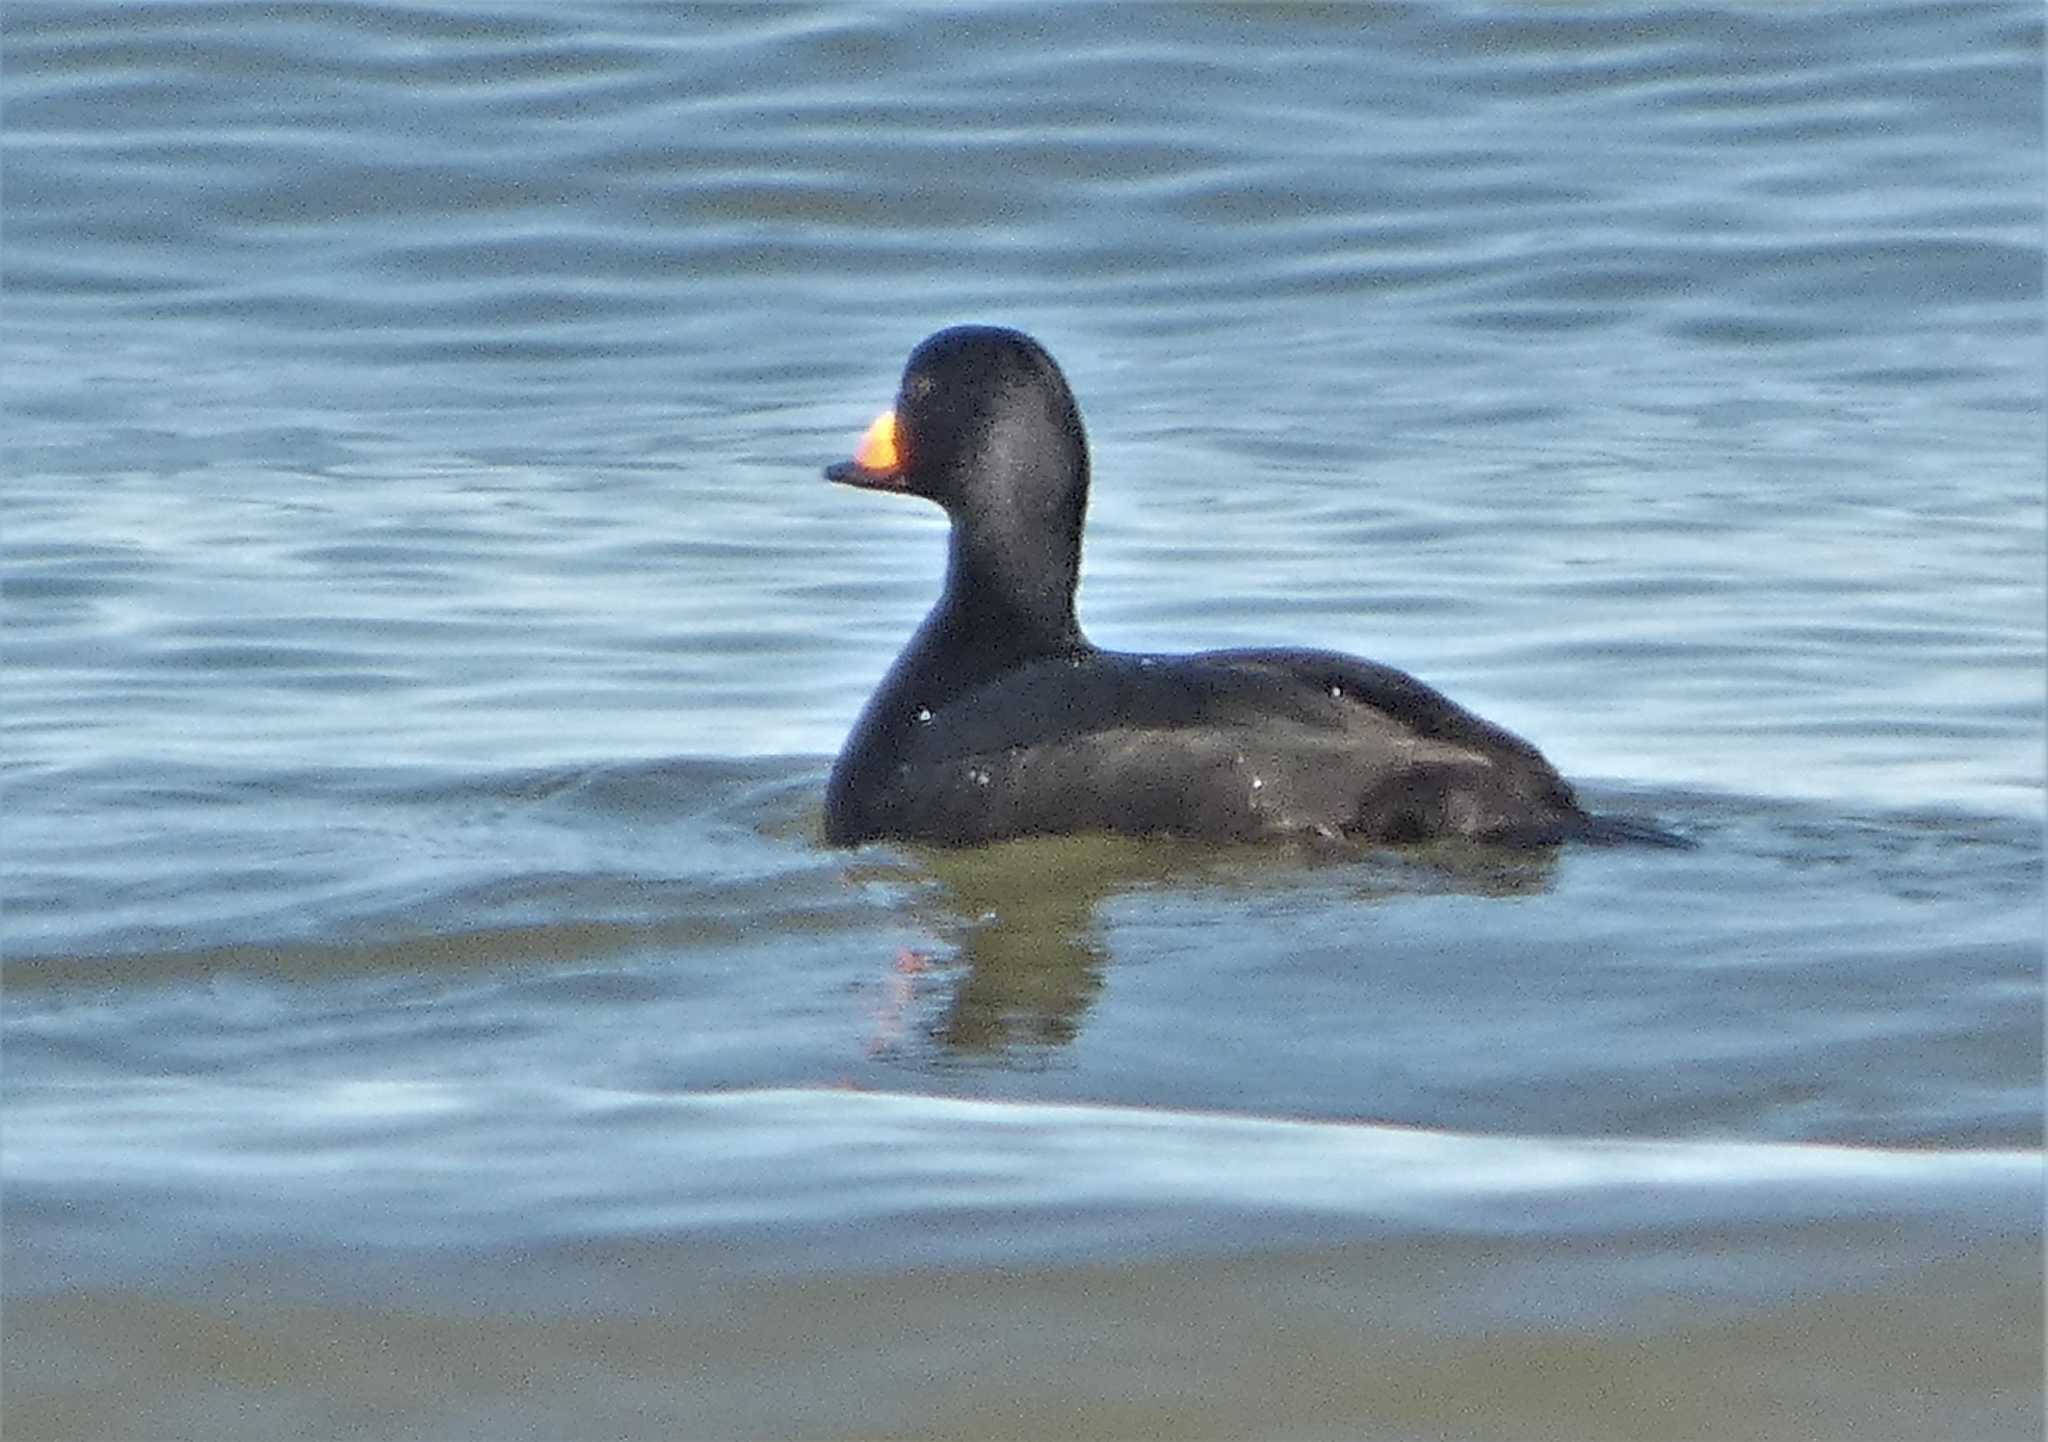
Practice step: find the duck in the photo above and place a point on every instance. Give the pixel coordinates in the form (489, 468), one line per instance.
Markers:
(1001, 720)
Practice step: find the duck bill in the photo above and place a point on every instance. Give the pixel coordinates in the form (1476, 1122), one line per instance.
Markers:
(877, 465)
(853, 473)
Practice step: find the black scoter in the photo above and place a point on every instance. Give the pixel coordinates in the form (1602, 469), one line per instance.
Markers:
(1001, 720)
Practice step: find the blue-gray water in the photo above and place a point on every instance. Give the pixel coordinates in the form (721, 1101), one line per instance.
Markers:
(430, 1010)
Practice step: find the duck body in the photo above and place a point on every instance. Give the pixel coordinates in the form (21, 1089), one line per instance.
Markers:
(1225, 745)
(1001, 720)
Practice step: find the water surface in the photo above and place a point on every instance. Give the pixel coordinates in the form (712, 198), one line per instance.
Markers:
(430, 1010)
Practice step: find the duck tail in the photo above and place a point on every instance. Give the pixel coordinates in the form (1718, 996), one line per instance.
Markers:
(1590, 830)
(1625, 831)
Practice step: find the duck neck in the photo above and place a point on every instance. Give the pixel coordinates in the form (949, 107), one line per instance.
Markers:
(1006, 604)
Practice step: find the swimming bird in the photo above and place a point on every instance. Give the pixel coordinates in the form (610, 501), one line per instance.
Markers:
(1000, 719)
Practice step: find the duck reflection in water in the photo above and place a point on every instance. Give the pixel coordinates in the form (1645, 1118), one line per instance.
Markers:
(1031, 950)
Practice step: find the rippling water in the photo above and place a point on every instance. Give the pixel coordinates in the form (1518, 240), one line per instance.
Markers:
(430, 1010)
